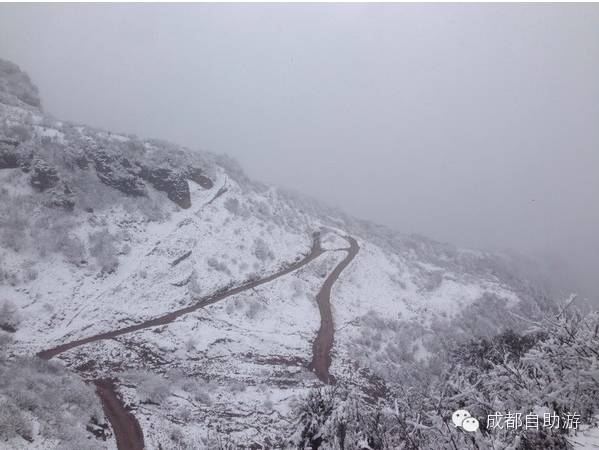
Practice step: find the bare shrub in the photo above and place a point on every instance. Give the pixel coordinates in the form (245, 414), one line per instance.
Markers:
(217, 265)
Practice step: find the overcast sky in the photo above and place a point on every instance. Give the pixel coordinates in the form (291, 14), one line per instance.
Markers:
(472, 124)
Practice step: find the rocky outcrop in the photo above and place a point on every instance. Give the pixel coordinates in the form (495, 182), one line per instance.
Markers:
(129, 177)
(43, 176)
(196, 175)
(118, 173)
(54, 154)
(172, 183)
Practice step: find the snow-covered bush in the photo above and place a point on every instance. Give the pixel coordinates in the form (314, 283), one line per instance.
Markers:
(13, 423)
(297, 287)
(253, 308)
(51, 233)
(322, 267)
(194, 286)
(14, 221)
(232, 205)
(203, 396)
(217, 265)
(232, 167)
(20, 132)
(262, 251)
(150, 387)
(386, 345)
(5, 341)
(199, 389)
(190, 344)
(335, 418)
(36, 391)
(149, 208)
(28, 272)
(177, 436)
(103, 248)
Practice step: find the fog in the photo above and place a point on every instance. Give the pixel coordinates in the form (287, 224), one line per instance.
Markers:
(471, 124)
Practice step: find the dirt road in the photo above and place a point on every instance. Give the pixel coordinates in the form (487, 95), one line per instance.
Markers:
(321, 349)
(127, 431)
(314, 253)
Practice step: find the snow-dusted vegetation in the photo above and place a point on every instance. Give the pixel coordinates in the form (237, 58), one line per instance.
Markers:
(44, 405)
(549, 369)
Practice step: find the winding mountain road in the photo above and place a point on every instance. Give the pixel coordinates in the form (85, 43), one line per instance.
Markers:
(321, 349)
(128, 432)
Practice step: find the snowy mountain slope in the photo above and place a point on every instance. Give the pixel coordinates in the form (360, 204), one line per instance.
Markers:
(100, 231)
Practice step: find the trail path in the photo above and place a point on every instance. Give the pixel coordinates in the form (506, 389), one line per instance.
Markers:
(321, 349)
(314, 253)
(127, 431)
